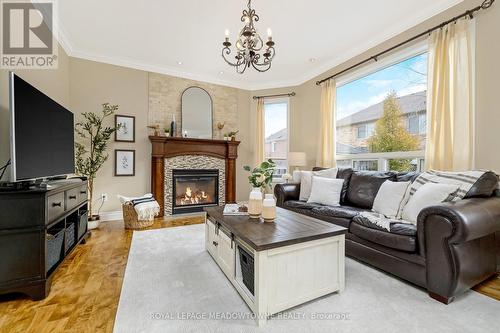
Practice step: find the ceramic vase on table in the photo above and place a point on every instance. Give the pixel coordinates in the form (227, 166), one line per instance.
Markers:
(269, 208)
(255, 203)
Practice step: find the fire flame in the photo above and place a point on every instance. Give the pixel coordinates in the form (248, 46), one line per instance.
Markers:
(191, 197)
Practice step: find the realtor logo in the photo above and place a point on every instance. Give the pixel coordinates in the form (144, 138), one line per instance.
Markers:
(27, 38)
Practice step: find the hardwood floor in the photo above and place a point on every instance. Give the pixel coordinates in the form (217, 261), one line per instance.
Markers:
(86, 288)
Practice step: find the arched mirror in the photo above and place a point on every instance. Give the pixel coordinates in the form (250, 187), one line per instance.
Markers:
(196, 113)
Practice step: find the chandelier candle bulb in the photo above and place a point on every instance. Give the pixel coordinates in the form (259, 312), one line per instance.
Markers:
(269, 33)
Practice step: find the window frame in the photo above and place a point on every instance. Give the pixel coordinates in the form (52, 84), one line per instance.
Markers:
(279, 100)
(394, 58)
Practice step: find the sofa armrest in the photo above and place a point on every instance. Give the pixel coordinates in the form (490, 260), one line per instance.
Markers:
(470, 218)
(285, 192)
(458, 242)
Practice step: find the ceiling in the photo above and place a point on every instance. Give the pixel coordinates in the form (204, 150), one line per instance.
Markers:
(184, 38)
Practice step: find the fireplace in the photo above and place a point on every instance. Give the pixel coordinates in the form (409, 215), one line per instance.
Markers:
(194, 189)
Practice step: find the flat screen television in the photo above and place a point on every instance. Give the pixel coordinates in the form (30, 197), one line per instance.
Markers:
(42, 134)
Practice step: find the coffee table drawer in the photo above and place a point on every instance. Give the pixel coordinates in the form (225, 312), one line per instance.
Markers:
(55, 206)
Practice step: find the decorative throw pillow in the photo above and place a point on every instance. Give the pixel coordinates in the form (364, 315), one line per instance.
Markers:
(389, 198)
(326, 191)
(427, 195)
(306, 180)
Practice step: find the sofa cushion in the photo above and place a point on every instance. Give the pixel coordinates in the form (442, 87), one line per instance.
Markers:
(379, 236)
(407, 229)
(345, 174)
(484, 186)
(345, 212)
(364, 186)
(407, 176)
(297, 204)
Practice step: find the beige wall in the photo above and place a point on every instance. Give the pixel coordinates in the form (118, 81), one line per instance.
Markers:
(94, 83)
(53, 82)
(304, 112)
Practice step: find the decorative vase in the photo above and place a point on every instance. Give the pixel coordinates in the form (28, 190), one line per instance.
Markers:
(94, 222)
(255, 203)
(173, 127)
(269, 208)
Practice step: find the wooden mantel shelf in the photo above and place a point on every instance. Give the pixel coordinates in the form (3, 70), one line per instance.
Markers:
(165, 147)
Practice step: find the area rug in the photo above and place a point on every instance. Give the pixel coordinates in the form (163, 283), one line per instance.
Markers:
(172, 284)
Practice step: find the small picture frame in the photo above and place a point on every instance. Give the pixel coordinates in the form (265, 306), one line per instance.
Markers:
(124, 162)
(126, 131)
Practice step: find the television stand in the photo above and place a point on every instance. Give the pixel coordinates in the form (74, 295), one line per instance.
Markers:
(16, 186)
(39, 228)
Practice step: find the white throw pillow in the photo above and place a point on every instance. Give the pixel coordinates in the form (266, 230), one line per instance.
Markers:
(306, 180)
(427, 195)
(326, 191)
(389, 198)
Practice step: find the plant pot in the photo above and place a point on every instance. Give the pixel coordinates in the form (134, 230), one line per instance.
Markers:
(94, 222)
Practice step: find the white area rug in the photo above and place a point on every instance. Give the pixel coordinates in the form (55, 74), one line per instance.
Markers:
(173, 285)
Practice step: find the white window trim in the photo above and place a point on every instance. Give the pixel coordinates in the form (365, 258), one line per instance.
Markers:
(279, 100)
(387, 61)
(382, 63)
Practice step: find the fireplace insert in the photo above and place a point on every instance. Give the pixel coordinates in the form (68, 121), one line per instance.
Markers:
(194, 189)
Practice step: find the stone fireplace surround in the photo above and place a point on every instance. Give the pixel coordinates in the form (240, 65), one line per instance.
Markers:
(193, 154)
(192, 162)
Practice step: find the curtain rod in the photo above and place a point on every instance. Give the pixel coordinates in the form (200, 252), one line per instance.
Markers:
(485, 5)
(278, 95)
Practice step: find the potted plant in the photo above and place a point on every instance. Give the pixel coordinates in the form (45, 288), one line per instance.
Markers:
(262, 175)
(232, 135)
(91, 150)
(167, 132)
(260, 178)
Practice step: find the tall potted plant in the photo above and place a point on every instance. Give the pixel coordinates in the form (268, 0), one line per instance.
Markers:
(91, 149)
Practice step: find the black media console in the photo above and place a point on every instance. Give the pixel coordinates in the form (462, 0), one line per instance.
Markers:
(39, 227)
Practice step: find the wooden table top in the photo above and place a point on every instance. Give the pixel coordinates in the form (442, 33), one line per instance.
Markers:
(288, 228)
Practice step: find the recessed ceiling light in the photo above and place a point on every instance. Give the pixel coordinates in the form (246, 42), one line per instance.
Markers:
(179, 62)
(221, 72)
(312, 59)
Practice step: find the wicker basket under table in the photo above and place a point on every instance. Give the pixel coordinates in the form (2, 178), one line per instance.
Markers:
(130, 218)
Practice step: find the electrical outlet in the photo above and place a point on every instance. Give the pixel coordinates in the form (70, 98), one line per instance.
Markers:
(104, 197)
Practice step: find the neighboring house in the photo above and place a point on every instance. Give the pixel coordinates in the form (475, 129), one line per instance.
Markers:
(276, 148)
(276, 145)
(354, 131)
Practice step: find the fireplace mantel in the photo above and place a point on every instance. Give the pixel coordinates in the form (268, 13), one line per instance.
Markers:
(165, 147)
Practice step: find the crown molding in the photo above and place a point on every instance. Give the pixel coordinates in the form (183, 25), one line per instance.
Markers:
(314, 73)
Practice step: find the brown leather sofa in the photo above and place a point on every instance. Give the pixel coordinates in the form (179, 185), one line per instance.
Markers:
(452, 248)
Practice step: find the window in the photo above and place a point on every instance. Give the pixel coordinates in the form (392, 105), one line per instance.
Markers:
(362, 132)
(276, 134)
(416, 124)
(381, 109)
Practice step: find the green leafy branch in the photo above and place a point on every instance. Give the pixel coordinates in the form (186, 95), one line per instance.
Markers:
(262, 175)
(90, 151)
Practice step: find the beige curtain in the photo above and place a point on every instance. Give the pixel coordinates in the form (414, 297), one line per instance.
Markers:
(450, 104)
(326, 145)
(259, 135)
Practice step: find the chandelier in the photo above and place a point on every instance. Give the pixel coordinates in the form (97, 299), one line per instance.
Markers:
(249, 45)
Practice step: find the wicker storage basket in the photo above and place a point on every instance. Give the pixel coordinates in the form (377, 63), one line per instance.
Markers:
(131, 220)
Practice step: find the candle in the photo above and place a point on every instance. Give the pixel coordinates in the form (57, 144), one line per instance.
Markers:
(269, 33)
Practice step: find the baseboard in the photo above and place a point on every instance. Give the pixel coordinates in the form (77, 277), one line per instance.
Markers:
(111, 216)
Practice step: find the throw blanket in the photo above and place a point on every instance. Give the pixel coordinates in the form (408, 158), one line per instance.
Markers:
(146, 206)
(379, 220)
(464, 180)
